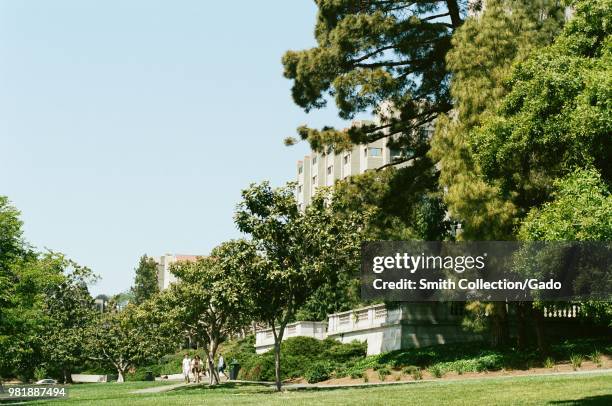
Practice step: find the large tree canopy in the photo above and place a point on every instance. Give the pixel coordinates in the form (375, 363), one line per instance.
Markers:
(369, 52)
(399, 203)
(293, 253)
(483, 54)
(69, 310)
(385, 57)
(134, 335)
(557, 114)
(206, 303)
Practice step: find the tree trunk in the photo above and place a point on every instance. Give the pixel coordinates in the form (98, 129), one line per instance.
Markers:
(538, 316)
(499, 328)
(453, 11)
(67, 375)
(120, 375)
(212, 371)
(521, 333)
(278, 338)
(277, 364)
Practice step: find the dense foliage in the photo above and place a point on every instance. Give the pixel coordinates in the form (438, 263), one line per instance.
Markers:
(205, 304)
(295, 254)
(372, 52)
(145, 281)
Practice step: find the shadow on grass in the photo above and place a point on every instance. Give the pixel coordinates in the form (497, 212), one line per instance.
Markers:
(590, 400)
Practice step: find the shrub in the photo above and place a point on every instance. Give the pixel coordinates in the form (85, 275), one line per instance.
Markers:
(140, 373)
(298, 353)
(596, 358)
(341, 353)
(413, 371)
(436, 370)
(356, 374)
(576, 361)
(365, 378)
(549, 363)
(490, 362)
(317, 372)
(40, 373)
(383, 373)
(304, 346)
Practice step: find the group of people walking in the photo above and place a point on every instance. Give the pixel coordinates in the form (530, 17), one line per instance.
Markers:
(194, 367)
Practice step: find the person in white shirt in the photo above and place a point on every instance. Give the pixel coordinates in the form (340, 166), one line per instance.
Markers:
(221, 366)
(186, 367)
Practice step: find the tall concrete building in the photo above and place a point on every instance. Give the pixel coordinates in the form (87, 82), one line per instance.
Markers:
(325, 168)
(164, 276)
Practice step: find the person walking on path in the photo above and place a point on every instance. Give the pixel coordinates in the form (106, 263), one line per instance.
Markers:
(186, 367)
(221, 366)
(196, 367)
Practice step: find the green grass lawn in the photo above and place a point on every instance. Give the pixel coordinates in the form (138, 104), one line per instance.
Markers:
(591, 389)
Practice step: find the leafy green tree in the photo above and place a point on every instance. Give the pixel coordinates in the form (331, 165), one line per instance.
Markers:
(398, 202)
(206, 303)
(43, 306)
(11, 246)
(394, 205)
(132, 336)
(484, 52)
(145, 282)
(296, 253)
(557, 114)
(581, 210)
(24, 321)
(500, 155)
(69, 310)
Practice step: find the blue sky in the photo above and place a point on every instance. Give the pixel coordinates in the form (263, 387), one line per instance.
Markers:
(130, 127)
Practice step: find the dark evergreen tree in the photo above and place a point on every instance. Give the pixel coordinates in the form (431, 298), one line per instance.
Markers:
(370, 52)
(145, 282)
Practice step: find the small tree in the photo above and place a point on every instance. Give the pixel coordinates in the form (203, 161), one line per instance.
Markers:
(580, 211)
(125, 338)
(205, 303)
(68, 308)
(145, 282)
(297, 252)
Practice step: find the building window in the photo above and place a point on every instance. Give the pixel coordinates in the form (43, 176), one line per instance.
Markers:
(314, 160)
(314, 180)
(300, 169)
(330, 169)
(375, 151)
(300, 189)
(347, 159)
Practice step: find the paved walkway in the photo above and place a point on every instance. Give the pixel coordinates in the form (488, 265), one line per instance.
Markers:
(303, 386)
(160, 389)
(168, 388)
